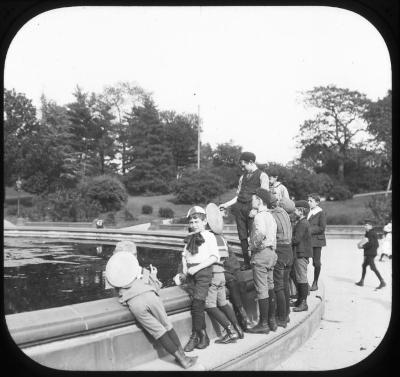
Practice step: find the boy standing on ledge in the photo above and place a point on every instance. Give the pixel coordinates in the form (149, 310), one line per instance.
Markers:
(252, 179)
(198, 256)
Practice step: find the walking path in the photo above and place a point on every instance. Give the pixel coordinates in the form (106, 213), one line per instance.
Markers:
(356, 318)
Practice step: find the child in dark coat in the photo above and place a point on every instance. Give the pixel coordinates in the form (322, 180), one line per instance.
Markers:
(301, 242)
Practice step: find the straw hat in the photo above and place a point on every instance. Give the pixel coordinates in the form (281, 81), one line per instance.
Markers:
(122, 268)
(214, 218)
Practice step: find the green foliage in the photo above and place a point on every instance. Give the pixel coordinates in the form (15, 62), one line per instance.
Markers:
(381, 208)
(108, 191)
(147, 210)
(166, 212)
(339, 219)
(198, 186)
(339, 192)
(227, 154)
(338, 119)
(379, 118)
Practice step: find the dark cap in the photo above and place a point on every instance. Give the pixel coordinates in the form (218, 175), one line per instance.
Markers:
(248, 156)
(302, 204)
(267, 197)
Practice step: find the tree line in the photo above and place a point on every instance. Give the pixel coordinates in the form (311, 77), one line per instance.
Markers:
(121, 133)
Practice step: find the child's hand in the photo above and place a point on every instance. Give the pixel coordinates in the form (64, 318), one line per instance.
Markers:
(153, 270)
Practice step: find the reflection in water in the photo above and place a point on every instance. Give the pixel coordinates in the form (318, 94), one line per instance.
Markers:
(45, 273)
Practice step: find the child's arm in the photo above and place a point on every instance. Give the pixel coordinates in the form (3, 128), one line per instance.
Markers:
(208, 262)
(298, 233)
(152, 278)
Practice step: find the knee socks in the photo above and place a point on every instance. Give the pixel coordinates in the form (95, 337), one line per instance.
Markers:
(219, 316)
(174, 337)
(168, 344)
(230, 314)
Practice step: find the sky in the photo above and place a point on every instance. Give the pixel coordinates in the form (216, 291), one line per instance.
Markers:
(244, 68)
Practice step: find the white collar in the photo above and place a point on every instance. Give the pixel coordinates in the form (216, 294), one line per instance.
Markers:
(313, 212)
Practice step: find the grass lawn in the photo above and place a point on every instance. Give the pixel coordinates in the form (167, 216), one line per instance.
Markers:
(351, 211)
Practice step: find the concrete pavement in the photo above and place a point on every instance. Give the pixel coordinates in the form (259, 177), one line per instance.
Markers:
(356, 318)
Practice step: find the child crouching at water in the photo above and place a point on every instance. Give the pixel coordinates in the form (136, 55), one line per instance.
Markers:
(138, 289)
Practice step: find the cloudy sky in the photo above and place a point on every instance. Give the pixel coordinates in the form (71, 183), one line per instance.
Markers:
(244, 66)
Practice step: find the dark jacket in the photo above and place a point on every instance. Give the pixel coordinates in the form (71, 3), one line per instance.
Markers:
(317, 226)
(301, 240)
(250, 183)
(371, 247)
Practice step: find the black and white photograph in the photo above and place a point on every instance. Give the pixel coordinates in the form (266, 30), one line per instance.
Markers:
(197, 188)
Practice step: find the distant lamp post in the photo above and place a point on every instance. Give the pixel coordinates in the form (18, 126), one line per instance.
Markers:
(18, 186)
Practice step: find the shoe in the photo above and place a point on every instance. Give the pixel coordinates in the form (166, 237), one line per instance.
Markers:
(287, 319)
(245, 266)
(239, 331)
(260, 328)
(360, 283)
(302, 307)
(295, 303)
(281, 322)
(204, 340)
(244, 321)
(192, 343)
(314, 286)
(381, 285)
(185, 361)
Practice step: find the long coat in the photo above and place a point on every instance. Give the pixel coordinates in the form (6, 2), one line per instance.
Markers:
(318, 225)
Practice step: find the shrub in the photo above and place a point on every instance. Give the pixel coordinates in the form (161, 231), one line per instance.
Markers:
(147, 210)
(166, 212)
(108, 191)
(381, 208)
(339, 219)
(198, 186)
(339, 192)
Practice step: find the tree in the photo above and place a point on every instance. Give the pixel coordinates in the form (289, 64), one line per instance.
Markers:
(379, 119)
(181, 136)
(121, 98)
(339, 118)
(20, 123)
(153, 160)
(227, 154)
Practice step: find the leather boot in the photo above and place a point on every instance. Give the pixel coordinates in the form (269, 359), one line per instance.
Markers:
(185, 361)
(242, 318)
(381, 285)
(262, 325)
(272, 310)
(281, 322)
(314, 286)
(239, 331)
(229, 337)
(204, 340)
(302, 307)
(192, 343)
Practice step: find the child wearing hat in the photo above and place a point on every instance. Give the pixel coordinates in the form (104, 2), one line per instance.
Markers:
(263, 256)
(370, 251)
(198, 256)
(217, 305)
(251, 179)
(138, 289)
(302, 247)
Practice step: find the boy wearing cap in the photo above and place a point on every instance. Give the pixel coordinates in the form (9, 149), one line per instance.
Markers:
(252, 179)
(370, 252)
(263, 257)
(284, 263)
(302, 248)
(317, 219)
(198, 256)
(138, 289)
(277, 188)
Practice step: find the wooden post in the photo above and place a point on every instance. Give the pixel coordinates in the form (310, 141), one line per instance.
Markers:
(198, 137)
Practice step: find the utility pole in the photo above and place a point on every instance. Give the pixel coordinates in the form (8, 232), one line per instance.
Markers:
(198, 136)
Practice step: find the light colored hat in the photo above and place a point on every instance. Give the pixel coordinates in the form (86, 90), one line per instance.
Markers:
(287, 205)
(214, 218)
(387, 228)
(122, 268)
(128, 246)
(195, 209)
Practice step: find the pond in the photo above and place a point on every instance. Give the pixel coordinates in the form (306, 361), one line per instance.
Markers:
(44, 273)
